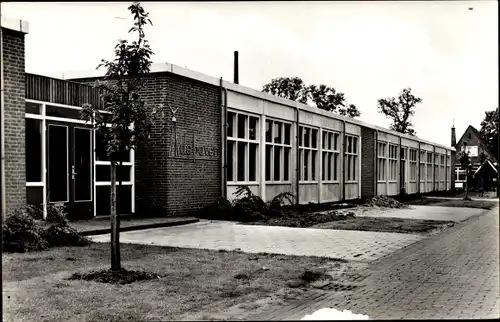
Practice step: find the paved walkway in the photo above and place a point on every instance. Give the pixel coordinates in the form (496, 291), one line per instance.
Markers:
(451, 275)
(455, 214)
(345, 244)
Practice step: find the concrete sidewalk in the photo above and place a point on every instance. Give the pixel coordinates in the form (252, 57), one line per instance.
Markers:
(452, 275)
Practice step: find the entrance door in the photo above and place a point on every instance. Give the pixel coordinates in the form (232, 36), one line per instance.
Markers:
(69, 168)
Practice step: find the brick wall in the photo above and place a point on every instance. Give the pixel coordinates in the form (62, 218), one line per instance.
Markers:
(178, 183)
(367, 162)
(14, 106)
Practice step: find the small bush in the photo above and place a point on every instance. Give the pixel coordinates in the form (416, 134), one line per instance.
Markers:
(21, 233)
(221, 209)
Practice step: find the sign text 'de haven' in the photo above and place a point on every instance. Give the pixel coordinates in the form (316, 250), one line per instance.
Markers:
(196, 151)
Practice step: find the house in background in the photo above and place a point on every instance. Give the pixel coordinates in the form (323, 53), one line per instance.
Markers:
(484, 173)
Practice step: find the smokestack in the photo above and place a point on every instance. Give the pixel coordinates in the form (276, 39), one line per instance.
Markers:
(236, 71)
(453, 135)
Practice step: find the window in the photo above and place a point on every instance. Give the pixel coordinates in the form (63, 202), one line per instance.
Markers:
(436, 167)
(429, 166)
(242, 147)
(448, 167)
(330, 144)
(33, 145)
(308, 150)
(422, 166)
(351, 158)
(460, 174)
(413, 165)
(381, 159)
(442, 168)
(278, 147)
(393, 162)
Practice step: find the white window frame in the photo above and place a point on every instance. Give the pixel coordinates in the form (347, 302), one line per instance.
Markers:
(247, 142)
(44, 118)
(382, 161)
(429, 177)
(412, 156)
(302, 151)
(351, 158)
(392, 160)
(328, 148)
(280, 147)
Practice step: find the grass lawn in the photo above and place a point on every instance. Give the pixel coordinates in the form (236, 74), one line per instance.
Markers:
(192, 282)
(391, 225)
(481, 204)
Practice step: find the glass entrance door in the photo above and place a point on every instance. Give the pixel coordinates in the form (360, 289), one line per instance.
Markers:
(69, 168)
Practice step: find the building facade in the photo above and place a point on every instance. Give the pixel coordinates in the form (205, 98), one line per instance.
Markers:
(211, 137)
(484, 172)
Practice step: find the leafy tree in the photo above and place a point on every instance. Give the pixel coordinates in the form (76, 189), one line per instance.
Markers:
(466, 163)
(124, 110)
(322, 96)
(400, 110)
(489, 131)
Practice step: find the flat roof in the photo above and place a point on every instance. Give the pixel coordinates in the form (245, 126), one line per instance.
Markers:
(14, 24)
(181, 71)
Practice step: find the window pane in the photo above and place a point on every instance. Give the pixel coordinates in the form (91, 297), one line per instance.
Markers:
(277, 132)
(314, 139)
(324, 165)
(301, 164)
(33, 146)
(230, 160)
(277, 162)
(330, 165)
(33, 108)
(241, 160)
(58, 111)
(307, 137)
(58, 171)
(34, 196)
(103, 173)
(288, 134)
(306, 165)
(353, 167)
(241, 125)
(252, 130)
(354, 145)
(348, 167)
(230, 124)
(301, 130)
(252, 162)
(286, 165)
(313, 165)
(335, 166)
(332, 141)
(324, 143)
(269, 151)
(269, 126)
(336, 141)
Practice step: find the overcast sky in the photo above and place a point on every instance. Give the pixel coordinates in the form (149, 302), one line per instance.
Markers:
(446, 53)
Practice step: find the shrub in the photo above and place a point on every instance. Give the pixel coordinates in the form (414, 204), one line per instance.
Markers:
(63, 235)
(221, 209)
(21, 234)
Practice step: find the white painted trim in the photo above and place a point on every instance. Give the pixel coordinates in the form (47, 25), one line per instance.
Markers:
(108, 183)
(14, 24)
(34, 184)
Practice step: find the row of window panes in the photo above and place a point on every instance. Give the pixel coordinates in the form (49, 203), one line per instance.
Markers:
(278, 132)
(330, 141)
(393, 170)
(242, 126)
(381, 149)
(393, 151)
(308, 137)
(277, 163)
(241, 161)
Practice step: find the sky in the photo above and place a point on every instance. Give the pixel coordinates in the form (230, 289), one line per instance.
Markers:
(445, 52)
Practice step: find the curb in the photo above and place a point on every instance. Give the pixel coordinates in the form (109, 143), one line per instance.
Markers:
(139, 227)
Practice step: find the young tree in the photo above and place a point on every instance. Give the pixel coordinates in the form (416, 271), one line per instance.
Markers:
(400, 110)
(322, 96)
(465, 162)
(125, 121)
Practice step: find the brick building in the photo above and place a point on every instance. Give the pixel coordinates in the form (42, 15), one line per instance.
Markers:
(224, 135)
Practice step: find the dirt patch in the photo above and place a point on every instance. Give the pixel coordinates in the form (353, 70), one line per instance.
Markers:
(121, 276)
(479, 204)
(304, 220)
(390, 225)
(384, 202)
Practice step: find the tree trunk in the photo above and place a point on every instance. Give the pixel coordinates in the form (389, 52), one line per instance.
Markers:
(115, 224)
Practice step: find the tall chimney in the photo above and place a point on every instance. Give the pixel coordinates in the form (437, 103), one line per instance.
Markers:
(453, 135)
(236, 71)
